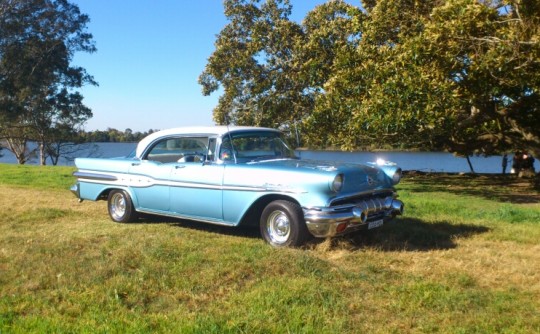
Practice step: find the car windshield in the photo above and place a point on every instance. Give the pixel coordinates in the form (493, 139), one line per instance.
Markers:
(255, 146)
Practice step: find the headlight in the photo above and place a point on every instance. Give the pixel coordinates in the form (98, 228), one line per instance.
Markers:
(397, 176)
(337, 184)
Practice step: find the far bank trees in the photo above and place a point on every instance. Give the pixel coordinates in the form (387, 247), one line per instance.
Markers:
(456, 75)
(38, 97)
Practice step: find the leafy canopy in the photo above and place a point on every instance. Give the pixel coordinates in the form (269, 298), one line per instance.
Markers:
(38, 97)
(457, 75)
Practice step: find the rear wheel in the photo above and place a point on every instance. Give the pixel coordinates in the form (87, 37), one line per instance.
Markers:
(282, 224)
(120, 207)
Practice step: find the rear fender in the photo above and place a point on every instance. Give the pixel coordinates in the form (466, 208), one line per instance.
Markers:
(96, 192)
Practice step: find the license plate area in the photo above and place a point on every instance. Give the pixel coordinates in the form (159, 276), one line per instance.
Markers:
(375, 224)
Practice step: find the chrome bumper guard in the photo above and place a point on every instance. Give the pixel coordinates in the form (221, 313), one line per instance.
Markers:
(76, 190)
(332, 221)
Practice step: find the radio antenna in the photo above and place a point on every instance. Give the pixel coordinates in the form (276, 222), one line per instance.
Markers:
(230, 138)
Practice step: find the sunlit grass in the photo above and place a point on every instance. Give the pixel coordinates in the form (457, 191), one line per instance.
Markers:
(463, 259)
(42, 177)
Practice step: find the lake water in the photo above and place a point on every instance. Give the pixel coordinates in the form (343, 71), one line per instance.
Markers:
(422, 161)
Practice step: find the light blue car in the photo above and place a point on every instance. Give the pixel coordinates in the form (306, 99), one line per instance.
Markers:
(241, 175)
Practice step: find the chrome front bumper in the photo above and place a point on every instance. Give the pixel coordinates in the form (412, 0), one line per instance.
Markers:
(332, 221)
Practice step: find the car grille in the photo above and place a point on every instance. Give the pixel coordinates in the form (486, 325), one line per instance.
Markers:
(372, 200)
(375, 205)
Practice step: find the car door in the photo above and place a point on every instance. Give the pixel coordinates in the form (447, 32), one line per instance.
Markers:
(196, 181)
(148, 181)
(196, 190)
(150, 177)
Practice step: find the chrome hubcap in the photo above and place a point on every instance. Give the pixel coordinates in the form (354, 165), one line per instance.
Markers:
(278, 227)
(118, 206)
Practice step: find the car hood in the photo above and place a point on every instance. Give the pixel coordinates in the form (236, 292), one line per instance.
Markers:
(357, 177)
(320, 165)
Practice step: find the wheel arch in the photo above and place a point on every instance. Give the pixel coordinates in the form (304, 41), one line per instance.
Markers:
(253, 214)
(104, 194)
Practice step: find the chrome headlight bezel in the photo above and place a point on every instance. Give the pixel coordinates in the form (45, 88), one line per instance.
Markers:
(337, 183)
(396, 177)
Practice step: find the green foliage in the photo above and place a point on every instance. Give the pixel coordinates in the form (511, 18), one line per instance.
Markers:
(113, 135)
(458, 75)
(254, 63)
(482, 52)
(38, 97)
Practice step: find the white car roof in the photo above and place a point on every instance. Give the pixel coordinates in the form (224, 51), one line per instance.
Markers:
(196, 130)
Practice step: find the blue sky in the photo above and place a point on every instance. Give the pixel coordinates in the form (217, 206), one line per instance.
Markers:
(150, 54)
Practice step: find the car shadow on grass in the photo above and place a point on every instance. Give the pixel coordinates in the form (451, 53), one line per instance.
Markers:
(411, 234)
(246, 231)
(403, 234)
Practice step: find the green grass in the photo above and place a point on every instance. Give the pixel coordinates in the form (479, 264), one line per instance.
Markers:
(463, 259)
(36, 177)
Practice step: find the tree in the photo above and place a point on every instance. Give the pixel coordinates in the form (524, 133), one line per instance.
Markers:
(330, 38)
(459, 75)
(128, 135)
(360, 95)
(255, 63)
(65, 141)
(16, 138)
(456, 75)
(37, 82)
(490, 53)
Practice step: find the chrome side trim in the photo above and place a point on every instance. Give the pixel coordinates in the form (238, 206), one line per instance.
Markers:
(142, 181)
(191, 218)
(94, 176)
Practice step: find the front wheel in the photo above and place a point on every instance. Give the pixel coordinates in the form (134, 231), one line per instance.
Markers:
(120, 207)
(282, 224)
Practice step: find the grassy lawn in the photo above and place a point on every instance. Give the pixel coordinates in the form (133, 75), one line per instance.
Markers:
(465, 258)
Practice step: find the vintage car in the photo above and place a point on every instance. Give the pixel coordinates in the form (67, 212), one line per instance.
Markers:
(241, 175)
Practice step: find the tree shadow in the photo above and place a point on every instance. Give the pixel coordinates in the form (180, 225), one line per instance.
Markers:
(410, 234)
(501, 188)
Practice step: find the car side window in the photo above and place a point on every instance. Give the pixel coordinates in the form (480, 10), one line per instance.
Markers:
(180, 149)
